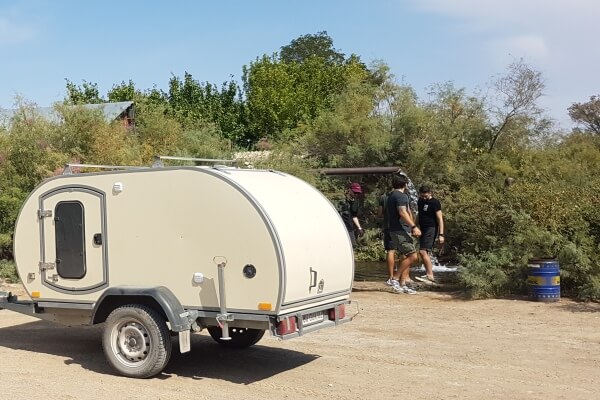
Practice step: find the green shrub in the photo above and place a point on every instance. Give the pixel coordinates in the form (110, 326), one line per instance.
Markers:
(370, 246)
(487, 274)
(551, 210)
(590, 290)
(8, 271)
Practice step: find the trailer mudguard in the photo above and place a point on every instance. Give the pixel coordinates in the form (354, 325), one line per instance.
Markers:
(160, 298)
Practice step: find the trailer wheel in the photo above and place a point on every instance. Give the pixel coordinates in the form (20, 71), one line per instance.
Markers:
(240, 337)
(136, 341)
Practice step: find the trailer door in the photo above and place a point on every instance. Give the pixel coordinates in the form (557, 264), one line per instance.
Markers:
(73, 240)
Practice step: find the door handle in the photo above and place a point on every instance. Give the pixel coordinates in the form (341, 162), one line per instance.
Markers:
(313, 279)
(98, 239)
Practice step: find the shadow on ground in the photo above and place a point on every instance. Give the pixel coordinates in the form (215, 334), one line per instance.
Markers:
(210, 360)
(446, 292)
(82, 346)
(581, 307)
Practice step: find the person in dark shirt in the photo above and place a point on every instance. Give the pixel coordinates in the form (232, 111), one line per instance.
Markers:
(402, 227)
(349, 211)
(431, 223)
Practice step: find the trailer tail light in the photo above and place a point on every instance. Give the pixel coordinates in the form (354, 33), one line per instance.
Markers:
(287, 326)
(339, 311)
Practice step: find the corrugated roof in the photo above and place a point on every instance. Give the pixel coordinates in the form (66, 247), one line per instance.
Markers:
(111, 112)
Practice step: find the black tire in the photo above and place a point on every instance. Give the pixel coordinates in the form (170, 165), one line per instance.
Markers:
(240, 337)
(136, 341)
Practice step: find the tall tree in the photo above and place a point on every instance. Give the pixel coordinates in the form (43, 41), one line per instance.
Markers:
(195, 103)
(350, 134)
(587, 114)
(285, 91)
(459, 114)
(518, 91)
(306, 46)
(87, 93)
(123, 92)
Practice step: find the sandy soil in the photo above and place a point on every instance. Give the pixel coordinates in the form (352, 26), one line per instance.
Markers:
(429, 346)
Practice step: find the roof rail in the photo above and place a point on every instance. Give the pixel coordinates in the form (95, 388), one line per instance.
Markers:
(158, 160)
(69, 171)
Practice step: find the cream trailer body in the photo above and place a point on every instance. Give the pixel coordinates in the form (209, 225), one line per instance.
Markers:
(155, 251)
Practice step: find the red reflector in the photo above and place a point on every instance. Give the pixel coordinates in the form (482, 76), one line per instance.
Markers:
(286, 326)
(339, 310)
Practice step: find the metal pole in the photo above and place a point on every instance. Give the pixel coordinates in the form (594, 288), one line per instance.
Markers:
(360, 170)
(223, 317)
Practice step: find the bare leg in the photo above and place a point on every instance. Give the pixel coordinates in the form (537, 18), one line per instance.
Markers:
(404, 266)
(404, 277)
(427, 262)
(391, 262)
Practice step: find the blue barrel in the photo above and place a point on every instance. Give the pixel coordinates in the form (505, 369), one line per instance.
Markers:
(543, 279)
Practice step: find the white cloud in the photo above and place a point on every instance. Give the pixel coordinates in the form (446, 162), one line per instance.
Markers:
(555, 36)
(12, 33)
(543, 30)
(498, 13)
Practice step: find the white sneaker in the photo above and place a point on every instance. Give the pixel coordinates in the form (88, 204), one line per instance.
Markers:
(395, 286)
(389, 282)
(407, 290)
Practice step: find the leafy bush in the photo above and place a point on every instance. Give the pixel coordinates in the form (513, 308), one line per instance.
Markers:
(370, 246)
(487, 274)
(8, 271)
(551, 211)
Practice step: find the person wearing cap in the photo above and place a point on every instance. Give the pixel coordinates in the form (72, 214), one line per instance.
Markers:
(431, 223)
(349, 212)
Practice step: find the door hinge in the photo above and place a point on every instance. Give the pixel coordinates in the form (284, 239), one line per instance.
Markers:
(44, 266)
(44, 214)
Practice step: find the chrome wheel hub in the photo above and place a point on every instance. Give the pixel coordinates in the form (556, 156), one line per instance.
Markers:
(131, 342)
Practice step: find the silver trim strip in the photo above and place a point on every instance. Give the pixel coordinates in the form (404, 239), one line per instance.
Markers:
(74, 306)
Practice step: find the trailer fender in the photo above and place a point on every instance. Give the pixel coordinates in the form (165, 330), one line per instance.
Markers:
(160, 298)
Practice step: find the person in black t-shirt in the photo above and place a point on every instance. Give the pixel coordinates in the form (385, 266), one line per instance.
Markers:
(402, 230)
(431, 223)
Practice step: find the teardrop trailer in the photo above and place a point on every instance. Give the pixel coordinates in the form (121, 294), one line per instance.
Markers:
(161, 251)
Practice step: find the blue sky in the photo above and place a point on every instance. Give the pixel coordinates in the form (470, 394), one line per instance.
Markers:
(42, 42)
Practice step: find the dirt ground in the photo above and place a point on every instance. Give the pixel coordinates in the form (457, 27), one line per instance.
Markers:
(428, 346)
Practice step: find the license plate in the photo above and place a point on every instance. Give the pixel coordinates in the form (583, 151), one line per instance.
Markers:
(313, 318)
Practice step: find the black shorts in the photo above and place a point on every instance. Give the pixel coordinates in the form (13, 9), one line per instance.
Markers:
(387, 240)
(427, 238)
